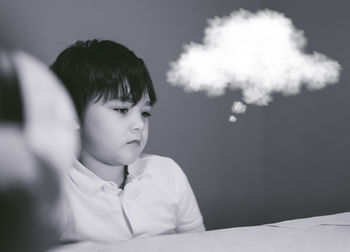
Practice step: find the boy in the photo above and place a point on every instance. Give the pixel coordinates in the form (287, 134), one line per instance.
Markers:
(114, 191)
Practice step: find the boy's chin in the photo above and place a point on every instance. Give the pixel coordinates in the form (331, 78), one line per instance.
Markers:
(131, 159)
(125, 158)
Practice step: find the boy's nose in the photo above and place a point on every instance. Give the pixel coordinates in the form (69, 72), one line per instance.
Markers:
(138, 123)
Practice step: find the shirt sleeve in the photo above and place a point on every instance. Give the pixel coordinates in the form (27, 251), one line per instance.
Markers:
(67, 219)
(189, 218)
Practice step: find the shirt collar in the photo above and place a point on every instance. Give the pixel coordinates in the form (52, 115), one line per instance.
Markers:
(86, 180)
(89, 182)
(138, 169)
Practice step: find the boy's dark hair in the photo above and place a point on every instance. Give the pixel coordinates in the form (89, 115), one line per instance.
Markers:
(96, 70)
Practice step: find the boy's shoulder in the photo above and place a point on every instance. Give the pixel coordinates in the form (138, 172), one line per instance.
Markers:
(155, 165)
(156, 159)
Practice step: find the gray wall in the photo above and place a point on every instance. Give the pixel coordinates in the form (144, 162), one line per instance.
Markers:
(306, 137)
(283, 161)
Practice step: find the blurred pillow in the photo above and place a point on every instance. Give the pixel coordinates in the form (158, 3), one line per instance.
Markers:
(38, 143)
(50, 118)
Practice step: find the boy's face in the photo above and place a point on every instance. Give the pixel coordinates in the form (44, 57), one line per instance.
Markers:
(115, 132)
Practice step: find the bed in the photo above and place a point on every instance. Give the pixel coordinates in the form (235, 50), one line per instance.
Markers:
(329, 233)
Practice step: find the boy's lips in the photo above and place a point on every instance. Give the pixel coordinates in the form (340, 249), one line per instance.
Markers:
(136, 142)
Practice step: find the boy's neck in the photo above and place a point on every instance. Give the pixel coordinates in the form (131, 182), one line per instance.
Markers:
(104, 171)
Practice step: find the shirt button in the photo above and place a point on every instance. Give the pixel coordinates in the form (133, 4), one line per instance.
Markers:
(110, 187)
(112, 184)
(106, 188)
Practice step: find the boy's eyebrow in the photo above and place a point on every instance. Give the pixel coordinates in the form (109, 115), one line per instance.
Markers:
(147, 102)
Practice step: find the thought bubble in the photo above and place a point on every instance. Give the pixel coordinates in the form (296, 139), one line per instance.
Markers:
(258, 53)
(238, 107)
(232, 118)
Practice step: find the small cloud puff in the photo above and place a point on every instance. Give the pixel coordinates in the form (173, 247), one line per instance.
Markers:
(238, 107)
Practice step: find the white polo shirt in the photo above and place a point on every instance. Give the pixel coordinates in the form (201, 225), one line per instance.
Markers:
(157, 199)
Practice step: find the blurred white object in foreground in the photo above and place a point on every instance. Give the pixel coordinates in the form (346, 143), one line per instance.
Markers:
(38, 142)
(50, 119)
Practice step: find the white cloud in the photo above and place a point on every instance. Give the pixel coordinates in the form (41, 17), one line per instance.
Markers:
(258, 53)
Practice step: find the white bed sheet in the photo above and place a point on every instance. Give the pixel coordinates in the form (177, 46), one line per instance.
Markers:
(329, 233)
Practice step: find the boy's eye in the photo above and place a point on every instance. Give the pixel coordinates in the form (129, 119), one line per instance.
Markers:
(146, 114)
(121, 110)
